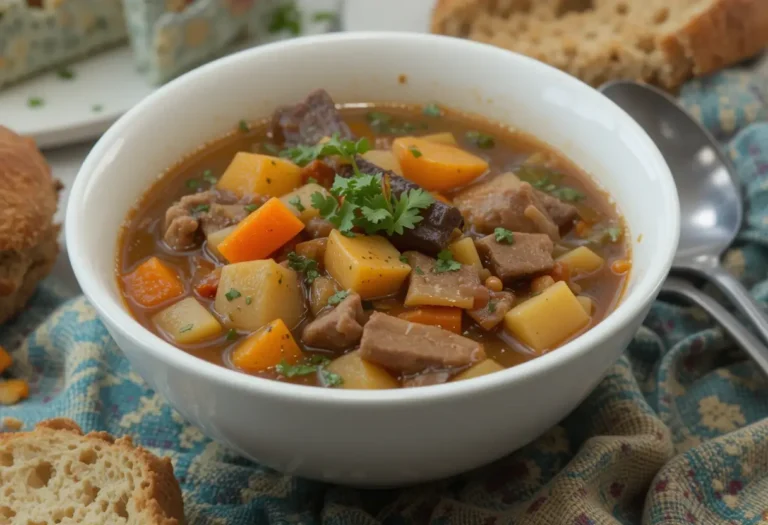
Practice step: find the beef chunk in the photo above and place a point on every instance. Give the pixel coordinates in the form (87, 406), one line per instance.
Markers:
(337, 329)
(562, 213)
(494, 311)
(506, 202)
(309, 121)
(530, 253)
(459, 288)
(318, 228)
(410, 348)
(208, 211)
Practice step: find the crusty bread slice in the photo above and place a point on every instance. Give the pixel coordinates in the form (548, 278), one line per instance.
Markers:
(664, 42)
(55, 474)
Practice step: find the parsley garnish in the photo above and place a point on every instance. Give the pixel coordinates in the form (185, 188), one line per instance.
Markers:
(286, 18)
(250, 208)
(481, 140)
(414, 151)
(289, 370)
(418, 271)
(311, 180)
(303, 264)
(432, 110)
(567, 194)
(504, 236)
(445, 263)
(330, 379)
(314, 364)
(303, 155)
(296, 203)
(232, 294)
(404, 259)
(385, 124)
(548, 181)
(208, 177)
(231, 334)
(491, 306)
(270, 148)
(201, 208)
(193, 184)
(614, 233)
(248, 300)
(324, 16)
(337, 297)
(186, 328)
(35, 102)
(244, 126)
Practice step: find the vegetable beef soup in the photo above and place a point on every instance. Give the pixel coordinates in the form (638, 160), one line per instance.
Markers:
(372, 246)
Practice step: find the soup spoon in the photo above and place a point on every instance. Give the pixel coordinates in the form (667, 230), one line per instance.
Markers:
(711, 207)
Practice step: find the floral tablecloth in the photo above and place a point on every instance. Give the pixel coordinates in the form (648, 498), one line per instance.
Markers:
(673, 435)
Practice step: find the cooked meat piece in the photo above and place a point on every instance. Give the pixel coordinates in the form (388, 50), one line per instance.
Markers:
(314, 249)
(494, 311)
(427, 288)
(505, 202)
(434, 232)
(409, 348)
(320, 171)
(339, 328)
(427, 379)
(309, 121)
(208, 211)
(562, 213)
(530, 253)
(317, 228)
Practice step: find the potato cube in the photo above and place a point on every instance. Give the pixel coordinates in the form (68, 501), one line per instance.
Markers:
(267, 348)
(215, 238)
(300, 201)
(254, 293)
(368, 265)
(187, 322)
(383, 159)
(480, 369)
(445, 137)
(546, 320)
(358, 373)
(582, 261)
(586, 303)
(254, 174)
(464, 251)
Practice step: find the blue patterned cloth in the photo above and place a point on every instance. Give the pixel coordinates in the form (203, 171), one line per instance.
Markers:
(673, 435)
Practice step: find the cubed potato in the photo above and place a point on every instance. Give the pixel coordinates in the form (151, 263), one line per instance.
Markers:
(255, 174)
(304, 210)
(464, 251)
(383, 159)
(546, 320)
(358, 373)
(267, 348)
(445, 137)
(368, 265)
(582, 261)
(482, 368)
(187, 322)
(254, 293)
(215, 238)
(586, 303)
(320, 291)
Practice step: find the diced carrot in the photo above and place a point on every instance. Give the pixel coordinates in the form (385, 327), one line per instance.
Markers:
(261, 233)
(446, 317)
(208, 285)
(152, 283)
(440, 197)
(266, 348)
(5, 360)
(435, 166)
(582, 229)
(561, 272)
(13, 391)
(621, 266)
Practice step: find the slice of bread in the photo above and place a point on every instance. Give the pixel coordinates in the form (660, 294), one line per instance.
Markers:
(664, 42)
(55, 474)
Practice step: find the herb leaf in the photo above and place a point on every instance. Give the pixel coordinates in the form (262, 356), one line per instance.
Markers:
(288, 370)
(35, 102)
(414, 151)
(481, 140)
(567, 194)
(231, 334)
(330, 379)
(232, 294)
(504, 236)
(296, 203)
(202, 208)
(385, 124)
(186, 328)
(445, 263)
(404, 259)
(303, 155)
(337, 297)
(432, 110)
(209, 178)
(303, 264)
(244, 126)
(250, 208)
(315, 364)
(492, 306)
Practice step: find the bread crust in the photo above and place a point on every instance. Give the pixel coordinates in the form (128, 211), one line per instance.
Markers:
(159, 494)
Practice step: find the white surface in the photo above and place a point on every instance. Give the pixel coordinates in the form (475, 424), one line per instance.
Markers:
(420, 433)
(387, 15)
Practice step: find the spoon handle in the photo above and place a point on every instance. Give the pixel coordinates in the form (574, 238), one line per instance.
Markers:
(752, 345)
(740, 297)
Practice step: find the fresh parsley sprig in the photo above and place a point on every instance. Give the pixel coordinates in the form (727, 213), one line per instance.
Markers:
(346, 149)
(446, 263)
(304, 264)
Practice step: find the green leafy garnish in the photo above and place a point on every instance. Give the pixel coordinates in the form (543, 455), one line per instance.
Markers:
(614, 233)
(289, 370)
(504, 236)
(303, 264)
(303, 155)
(271, 149)
(248, 300)
(445, 263)
(250, 208)
(65, 73)
(404, 259)
(231, 334)
(315, 364)
(35, 102)
(432, 110)
(548, 181)
(202, 208)
(386, 124)
(244, 126)
(296, 203)
(337, 297)
(186, 328)
(418, 271)
(193, 184)
(492, 306)
(567, 194)
(324, 16)
(481, 140)
(209, 178)
(311, 180)
(415, 152)
(232, 294)
(286, 17)
(330, 379)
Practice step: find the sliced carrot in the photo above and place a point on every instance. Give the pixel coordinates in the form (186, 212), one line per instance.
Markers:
(152, 283)
(261, 233)
(446, 317)
(208, 285)
(435, 166)
(582, 229)
(5, 360)
(621, 266)
(267, 348)
(13, 391)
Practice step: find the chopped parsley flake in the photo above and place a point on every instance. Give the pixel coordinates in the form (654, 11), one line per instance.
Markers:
(385, 124)
(193, 184)
(432, 110)
(304, 264)
(404, 259)
(186, 328)
(330, 379)
(315, 364)
(248, 300)
(232, 294)
(614, 233)
(296, 203)
(208, 177)
(481, 140)
(567, 194)
(270, 148)
(337, 297)
(311, 180)
(250, 208)
(201, 208)
(445, 263)
(504, 236)
(418, 271)
(231, 334)
(415, 152)
(35, 102)
(492, 306)
(244, 126)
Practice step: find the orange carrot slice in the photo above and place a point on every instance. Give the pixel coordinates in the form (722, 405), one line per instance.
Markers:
(153, 283)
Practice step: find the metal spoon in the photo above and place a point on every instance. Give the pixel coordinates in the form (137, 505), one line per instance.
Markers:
(710, 196)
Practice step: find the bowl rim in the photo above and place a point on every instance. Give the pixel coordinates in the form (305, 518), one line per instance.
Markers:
(116, 314)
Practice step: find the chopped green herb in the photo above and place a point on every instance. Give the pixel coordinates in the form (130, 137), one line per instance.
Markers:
(231, 334)
(244, 126)
(208, 177)
(404, 259)
(35, 102)
(186, 328)
(418, 271)
(385, 124)
(319, 360)
(286, 17)
(232, 294)
(504, 236)
(481, 140)
(337, 297)
(296, 203)
(567, 194)
(330, 379)
(202, 208)
(271, 149)
(432, 110)
(97, 108)
(193, 184)
(248, 300)
(445, 263)
(65, 73)
(348, 234)
(315, 364)
(311, 180)
(492, 306)
(250, 208)
(324, 16)
(288, 370)
(614, 233)
(303, 155)
(415, 152)
(305, 265)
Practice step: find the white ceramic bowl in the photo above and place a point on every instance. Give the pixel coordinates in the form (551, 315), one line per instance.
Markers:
(374, 438)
